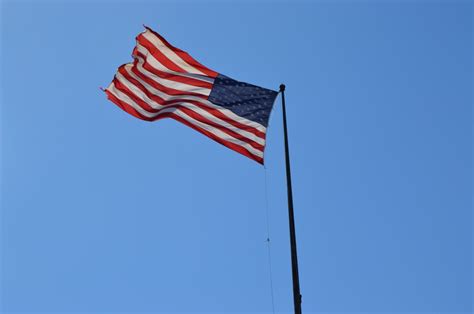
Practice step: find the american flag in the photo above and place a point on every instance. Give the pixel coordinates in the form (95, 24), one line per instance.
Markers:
(166, 82)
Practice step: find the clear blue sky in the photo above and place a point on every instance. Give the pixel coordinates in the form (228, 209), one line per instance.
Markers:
(102, 212)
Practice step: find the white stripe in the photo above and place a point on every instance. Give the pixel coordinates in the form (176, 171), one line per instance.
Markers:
(172, 84)
(221, 134)
(159, 66)
(205, 102)
(225, 124)
(125, 98)
(170, 54)
(140, 94)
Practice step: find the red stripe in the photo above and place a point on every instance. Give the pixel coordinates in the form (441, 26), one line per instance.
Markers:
(126, 107)
(124, 89)
(185, 56)
(235, 135)
(164, 89)
(230, 145)
(159, 55)
(215, 112)
(170, 76)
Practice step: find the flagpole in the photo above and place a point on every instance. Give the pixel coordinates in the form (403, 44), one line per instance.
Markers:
(294, 255)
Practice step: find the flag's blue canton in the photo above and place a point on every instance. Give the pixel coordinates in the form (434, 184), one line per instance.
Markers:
(245, 100)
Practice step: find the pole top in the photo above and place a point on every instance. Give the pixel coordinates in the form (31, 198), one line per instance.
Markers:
(282, 87)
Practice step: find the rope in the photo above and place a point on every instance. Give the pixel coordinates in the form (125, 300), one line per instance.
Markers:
(268, 241)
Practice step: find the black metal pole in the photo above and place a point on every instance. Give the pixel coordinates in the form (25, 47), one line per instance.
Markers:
(294, 255)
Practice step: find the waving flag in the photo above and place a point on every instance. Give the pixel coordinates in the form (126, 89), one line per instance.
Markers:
(166, 82)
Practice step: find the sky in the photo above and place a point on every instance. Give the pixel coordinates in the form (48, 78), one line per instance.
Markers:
(104, 213)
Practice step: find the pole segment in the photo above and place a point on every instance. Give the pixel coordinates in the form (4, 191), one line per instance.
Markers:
(294, 255)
